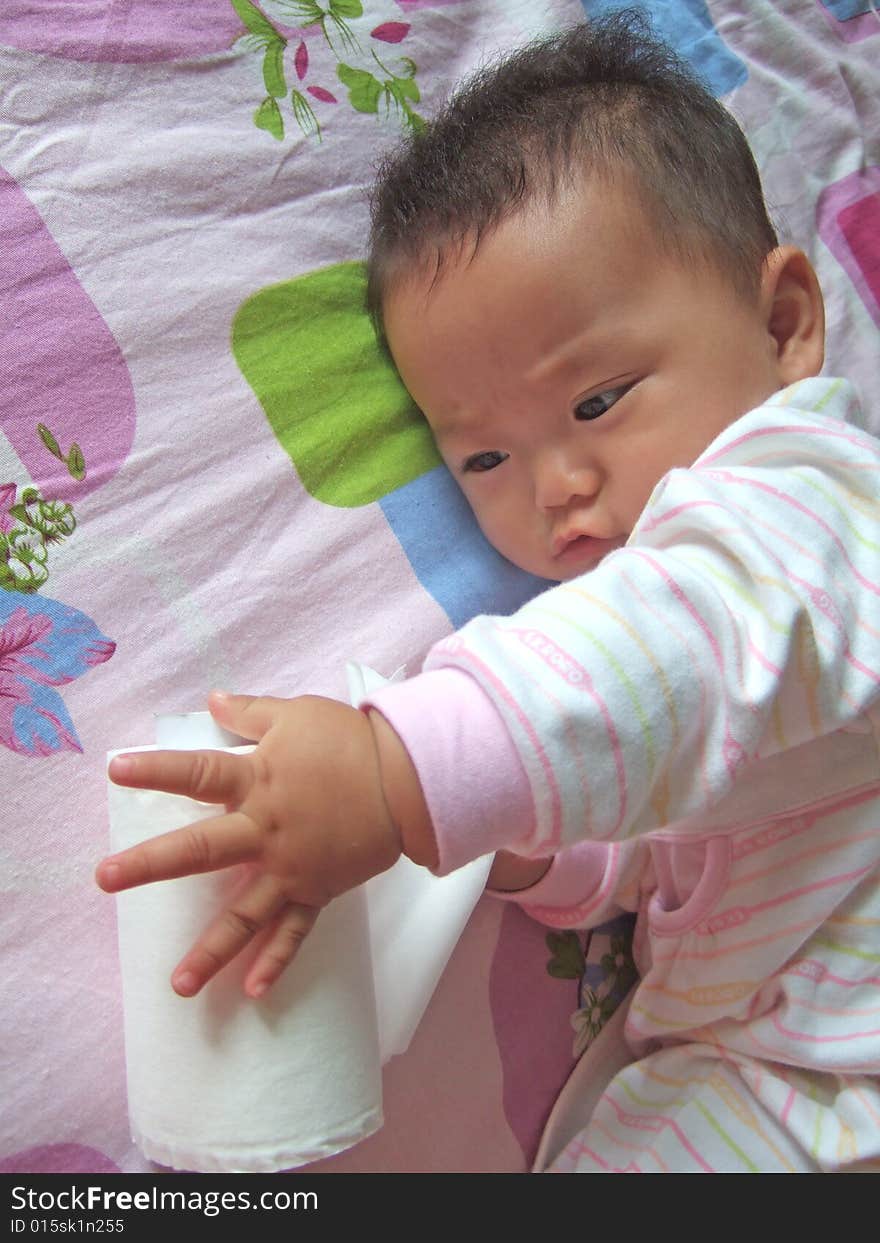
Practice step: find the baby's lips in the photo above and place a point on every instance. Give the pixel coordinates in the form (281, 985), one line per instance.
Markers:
(562, 540)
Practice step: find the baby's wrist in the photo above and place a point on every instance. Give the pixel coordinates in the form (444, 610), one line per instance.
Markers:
(403, 794)
(511, 873)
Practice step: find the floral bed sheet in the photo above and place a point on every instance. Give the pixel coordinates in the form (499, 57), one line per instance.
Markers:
(210, 476)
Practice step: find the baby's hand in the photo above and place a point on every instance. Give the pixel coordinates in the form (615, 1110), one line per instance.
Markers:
(306, 808)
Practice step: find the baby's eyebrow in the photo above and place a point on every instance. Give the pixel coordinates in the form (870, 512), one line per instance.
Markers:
(598, 354)
(564, 356)
(455, 422)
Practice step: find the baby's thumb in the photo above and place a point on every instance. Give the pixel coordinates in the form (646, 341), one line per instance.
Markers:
(249, 716)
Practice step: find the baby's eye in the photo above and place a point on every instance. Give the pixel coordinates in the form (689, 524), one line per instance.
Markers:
(600, 403)
(484, 461)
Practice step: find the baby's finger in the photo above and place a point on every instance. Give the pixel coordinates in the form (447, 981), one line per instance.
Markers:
(228, 935)
(249, 716)
(205, 846)
(281, 947)
(207, 776)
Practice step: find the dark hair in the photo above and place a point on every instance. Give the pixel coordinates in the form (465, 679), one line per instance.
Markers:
(600, 98)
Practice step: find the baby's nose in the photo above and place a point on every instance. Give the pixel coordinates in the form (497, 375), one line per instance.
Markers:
(560, 480)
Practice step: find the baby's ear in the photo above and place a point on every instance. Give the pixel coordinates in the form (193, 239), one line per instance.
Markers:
(792, 302)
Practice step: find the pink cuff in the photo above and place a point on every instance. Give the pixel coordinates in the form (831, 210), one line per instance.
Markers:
(475, 786)
(574, 876)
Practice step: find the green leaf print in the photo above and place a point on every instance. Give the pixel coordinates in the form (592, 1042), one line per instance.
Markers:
(304, 12)
(364, 91)
(397, 91)
(268, 117)
(305, 114)
(310, 13)
(76, 463)
(406, 72)
(346, 38)
(399, 88)
(568, 961)
(49, 441)
(273, 68)
(409, 89)
(254, 20)
(346, 8)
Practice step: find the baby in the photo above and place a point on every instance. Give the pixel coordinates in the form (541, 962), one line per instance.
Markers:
(575, 274)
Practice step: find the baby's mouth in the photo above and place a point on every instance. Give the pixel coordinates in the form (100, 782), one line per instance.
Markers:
(572, 547)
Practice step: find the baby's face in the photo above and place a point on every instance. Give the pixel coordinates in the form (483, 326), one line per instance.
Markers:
(568, 366)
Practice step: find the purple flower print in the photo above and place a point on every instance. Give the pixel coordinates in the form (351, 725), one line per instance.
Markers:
(43, 644)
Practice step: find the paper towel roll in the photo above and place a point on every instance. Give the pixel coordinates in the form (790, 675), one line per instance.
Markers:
(220, 1082)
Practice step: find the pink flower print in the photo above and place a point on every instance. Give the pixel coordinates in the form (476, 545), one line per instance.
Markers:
(7, 500)
(301, 60)
(321, 93)
(391, 32)
(826, 606)
(43, 644)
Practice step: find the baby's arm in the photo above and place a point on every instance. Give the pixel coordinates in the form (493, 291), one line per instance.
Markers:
(479, 799)
(327, 799)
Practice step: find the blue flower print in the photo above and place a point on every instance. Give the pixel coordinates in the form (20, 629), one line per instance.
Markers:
(43, 644)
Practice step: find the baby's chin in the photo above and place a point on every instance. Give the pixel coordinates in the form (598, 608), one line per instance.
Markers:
(537, 568)
(546, 571)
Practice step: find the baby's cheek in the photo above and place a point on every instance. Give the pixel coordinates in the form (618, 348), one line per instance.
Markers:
(509, 523)
(500, 528)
